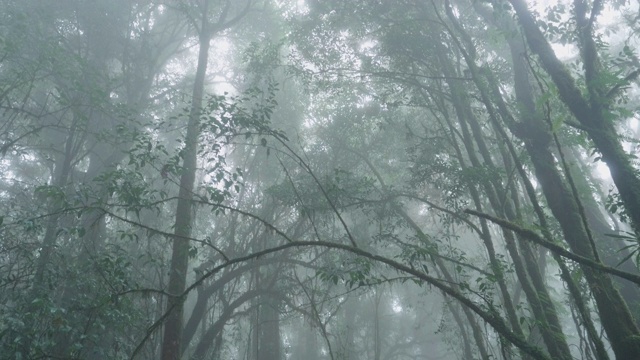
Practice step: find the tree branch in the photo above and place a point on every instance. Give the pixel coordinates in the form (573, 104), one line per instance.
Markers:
(534, 237)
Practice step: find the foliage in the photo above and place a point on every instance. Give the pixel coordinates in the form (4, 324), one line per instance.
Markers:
(340, 147)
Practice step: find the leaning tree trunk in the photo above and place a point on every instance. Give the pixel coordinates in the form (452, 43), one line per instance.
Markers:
(613, 311)
(612, 252)
(592, 113)
(528, 276)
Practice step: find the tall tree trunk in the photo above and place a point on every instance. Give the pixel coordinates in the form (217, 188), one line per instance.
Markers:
(612, 251)
(592, 113)
(614, 314)
(270, 347)
(171, 344)
(377, 341)
(348, 347)
(60, 177)
(528, 276)
(485, 235)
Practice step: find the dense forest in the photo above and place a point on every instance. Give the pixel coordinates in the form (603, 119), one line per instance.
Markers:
(320, 179)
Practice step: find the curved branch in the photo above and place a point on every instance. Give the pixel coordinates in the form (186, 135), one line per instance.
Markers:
(534, 237)
(489, 316)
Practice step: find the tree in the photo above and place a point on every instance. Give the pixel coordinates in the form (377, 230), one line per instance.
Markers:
(318, 179)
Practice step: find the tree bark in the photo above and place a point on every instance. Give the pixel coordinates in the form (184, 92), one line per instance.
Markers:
(614, 313)
(592, 113)
(528, 276)
(171, 344)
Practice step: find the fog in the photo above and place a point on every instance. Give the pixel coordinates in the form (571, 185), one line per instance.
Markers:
(311, 180)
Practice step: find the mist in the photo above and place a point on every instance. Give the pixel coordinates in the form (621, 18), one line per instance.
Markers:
(319, 180)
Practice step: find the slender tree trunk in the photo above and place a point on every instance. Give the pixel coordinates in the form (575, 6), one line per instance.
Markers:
(525, 265)
(533, 286)
(488, 243)
(207, 340)
(171, 345)
(471, 319)
(376, 325)
(350, 329)
(270, 338)
(60, 178)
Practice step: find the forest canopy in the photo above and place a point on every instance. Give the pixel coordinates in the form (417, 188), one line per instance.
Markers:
(320, 179)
